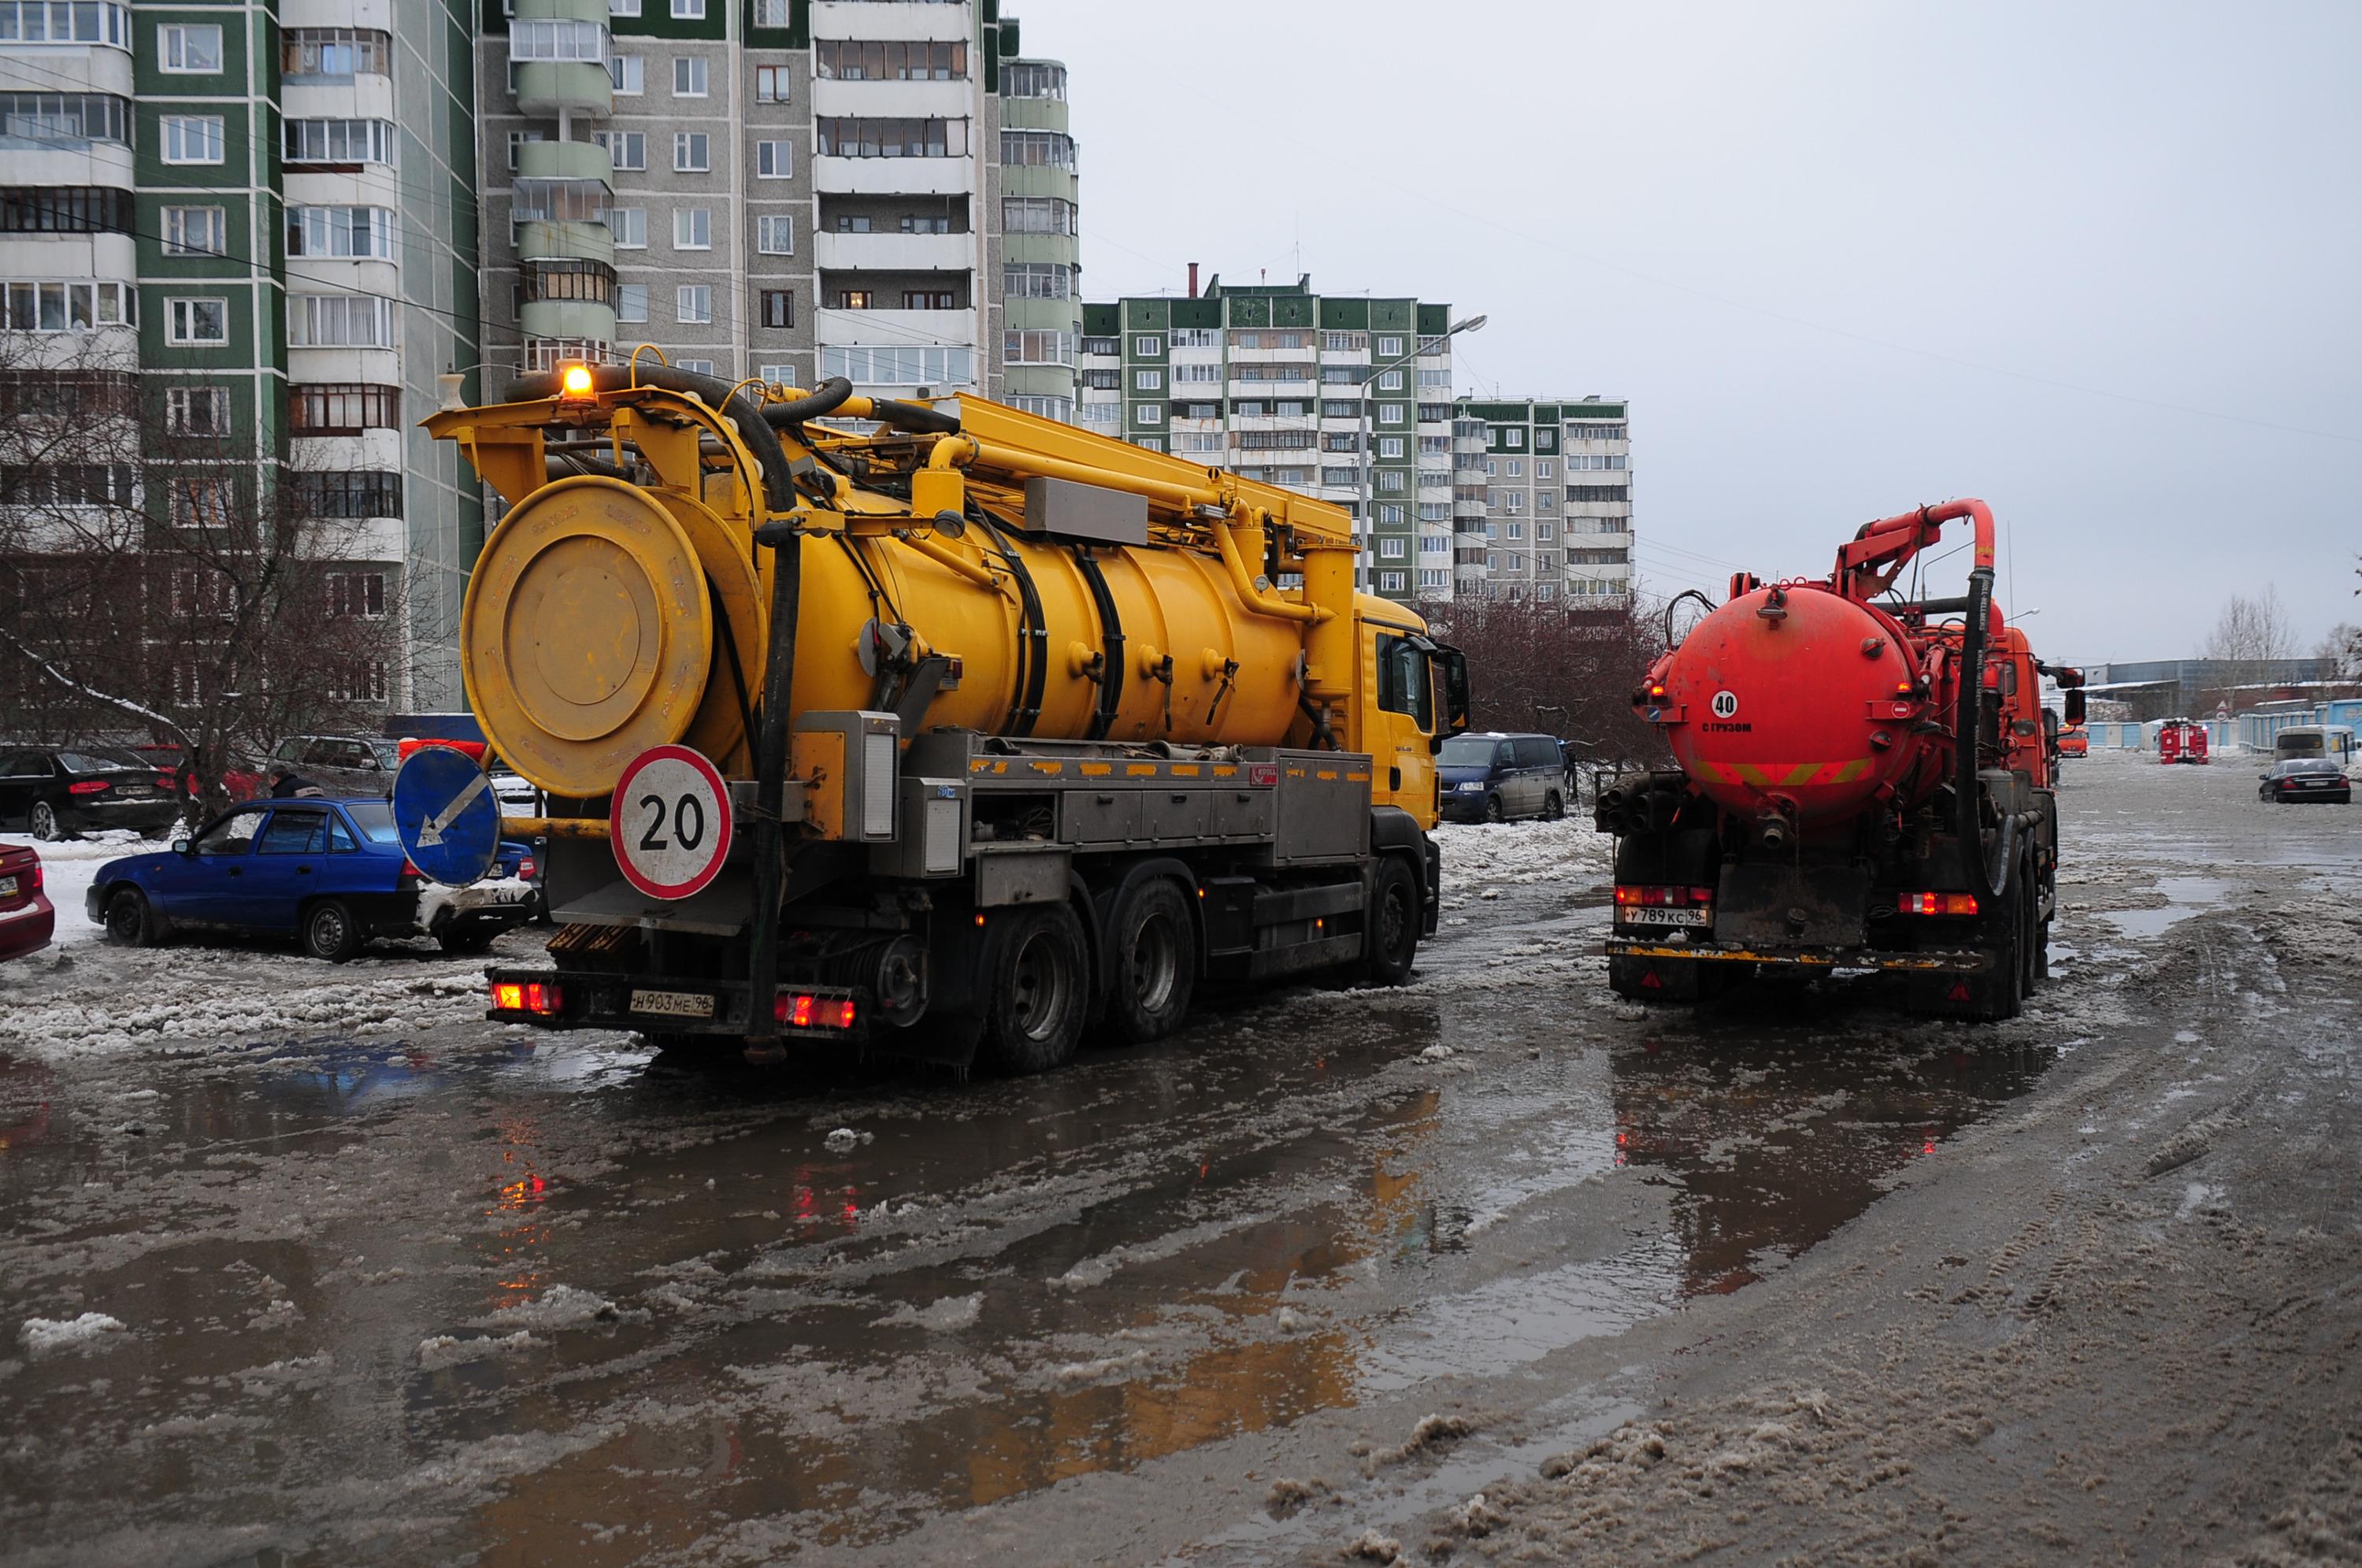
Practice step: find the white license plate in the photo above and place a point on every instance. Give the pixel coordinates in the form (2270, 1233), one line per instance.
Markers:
(8, 886)
(1651, 916)
(673, 1004)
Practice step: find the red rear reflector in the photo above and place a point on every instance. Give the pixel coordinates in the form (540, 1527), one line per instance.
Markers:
(87, 786)
(1649, 982)
(1936, 903)
(804, 1010)
(410, 870)
(1959, 991)
(526, 996)
(1632, 896)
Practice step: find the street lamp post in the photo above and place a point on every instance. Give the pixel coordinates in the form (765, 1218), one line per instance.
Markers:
(1369, 455)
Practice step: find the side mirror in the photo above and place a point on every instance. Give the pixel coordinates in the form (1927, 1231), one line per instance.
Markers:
(2074, 703)
(182, 846)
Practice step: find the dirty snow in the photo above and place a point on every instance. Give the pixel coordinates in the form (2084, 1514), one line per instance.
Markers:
(951, 1313)
(42, 1335)
(1487, 855)
(560, 1307)
(68, 867)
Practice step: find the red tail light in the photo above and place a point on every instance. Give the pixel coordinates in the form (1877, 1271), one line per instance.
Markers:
(524, 868)
(804, 1010)
(88, 787)
(1633, 897)
(1936, 903)
(410, 870)
(542, 997)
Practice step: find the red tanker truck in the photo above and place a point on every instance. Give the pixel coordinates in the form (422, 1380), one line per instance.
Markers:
(1863, 783)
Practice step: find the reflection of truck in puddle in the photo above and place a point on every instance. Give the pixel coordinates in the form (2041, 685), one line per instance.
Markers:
(1773, 1154)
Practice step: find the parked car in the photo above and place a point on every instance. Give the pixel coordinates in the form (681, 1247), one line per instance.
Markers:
(241, 779)
(1495, 777)
(2307, 778)
(26, 920)
(57, 792)
(340, 764)
(329, 872)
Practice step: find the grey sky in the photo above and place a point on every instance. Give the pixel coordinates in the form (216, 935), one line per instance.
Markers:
(1728, 213)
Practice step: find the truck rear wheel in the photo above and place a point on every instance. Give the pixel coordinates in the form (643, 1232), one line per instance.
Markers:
(1154, 960)
(1390, 942)
(1038, 970)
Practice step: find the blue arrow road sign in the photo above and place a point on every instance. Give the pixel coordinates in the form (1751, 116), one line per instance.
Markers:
(449, 818)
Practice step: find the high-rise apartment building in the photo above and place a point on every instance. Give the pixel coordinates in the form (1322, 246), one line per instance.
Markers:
(1556, 486)
(782, 189)
(1346, 398)
(250, 228)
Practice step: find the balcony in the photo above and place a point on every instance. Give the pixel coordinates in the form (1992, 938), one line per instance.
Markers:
(892, 176)
(850, 19)
(893, 100)
(555, 240)
(894, 252)
(897, 329)
(546, 88)
(565, 161)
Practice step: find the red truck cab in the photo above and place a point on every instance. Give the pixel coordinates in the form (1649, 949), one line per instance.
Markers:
(2181, 740)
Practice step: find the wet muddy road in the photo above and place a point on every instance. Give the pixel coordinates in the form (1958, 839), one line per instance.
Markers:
(464, 1293)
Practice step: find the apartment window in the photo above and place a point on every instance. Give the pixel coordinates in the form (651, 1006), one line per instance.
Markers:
(202, 323)
(687, 75)
(845, 137)
(627, 150)
(517, 138)
(342, 408)
(359, 493)
(360, 680)
(1517, 530)
(1148, 380)
(1390, 446)
(1343, 342)
(772, 12)
(1046, 281)
(900, 367)
(1340, 408)
(349, 233)
(778, 308)
(340, 321)
(1390, 381)
(1598, 492)
(771, 83)
(189, 50)
(775, 234)
(622, 7)
(549, 40)
(777, 375)
(1546, 500)
(1391, 549)
(360, 594)
(1147, 348)
(1148, 413)
(338, 141)
(629, 225)
(927, 222)
(1103, 346)
(336, 53)
(856, 299)
(1545, 531)
(57, 21)
(1037, 150)
(929, 298)
(67, 308)
(692, 228)
(693, 152)
(628, 73)
(774, 159)
(1037, 214)
(193, 138)
(851, 60)
(1542, 468)
(631, 301)
(1517, 499)
(1513, 438)
(195, 231)
(197, 411)
(1196, 372)
(1042, 349)
(1149, 442)
(1391, 480)
(688, 10)
(1391, 582)
(693, 305)
(1103, 381)
(1028, 78)
(1390, 414)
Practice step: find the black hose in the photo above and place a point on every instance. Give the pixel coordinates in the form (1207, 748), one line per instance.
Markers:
(822, 400)
(1987, 883)
(570, 464)
(742, 412)
(912, 418)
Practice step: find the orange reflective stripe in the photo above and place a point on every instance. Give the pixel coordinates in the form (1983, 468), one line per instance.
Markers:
(1782, 775)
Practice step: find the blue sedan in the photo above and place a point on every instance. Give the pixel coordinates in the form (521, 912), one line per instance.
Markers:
(331, 873)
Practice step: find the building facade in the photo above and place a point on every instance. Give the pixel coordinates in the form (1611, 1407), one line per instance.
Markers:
(1556, 500)
(783, 189)
(1345, 398)
(251, 228)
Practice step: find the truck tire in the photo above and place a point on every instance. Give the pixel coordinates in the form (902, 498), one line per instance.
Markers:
(1038, 971)
(1151, 961)
(1390, 926)
(1999, 994)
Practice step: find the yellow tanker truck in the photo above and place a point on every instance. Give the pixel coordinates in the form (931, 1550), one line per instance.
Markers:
(1014, 730)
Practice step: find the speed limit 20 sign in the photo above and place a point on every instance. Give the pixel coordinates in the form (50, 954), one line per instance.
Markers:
(669, 822)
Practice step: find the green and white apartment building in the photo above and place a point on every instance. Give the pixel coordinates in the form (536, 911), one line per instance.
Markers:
(789, 190)
(1451, 498)
(251, 229)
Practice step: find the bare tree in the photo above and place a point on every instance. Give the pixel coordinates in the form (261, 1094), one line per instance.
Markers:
(2252, 638)
(1565, 671)
(164, 576)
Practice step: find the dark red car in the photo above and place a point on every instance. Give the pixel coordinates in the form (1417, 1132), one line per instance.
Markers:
(243, 780)
(26, 921)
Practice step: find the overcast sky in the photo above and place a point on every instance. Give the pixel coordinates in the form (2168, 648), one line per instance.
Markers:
(2097, 264)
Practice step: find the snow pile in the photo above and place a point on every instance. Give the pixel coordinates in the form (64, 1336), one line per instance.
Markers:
(216, 998)
(560, 1307)
(2323, 928)
(435, 898)
(443, 1350)
(67, 867)
(845, 1139)
(951, 1313)
(1478, 855)
(42, 1335)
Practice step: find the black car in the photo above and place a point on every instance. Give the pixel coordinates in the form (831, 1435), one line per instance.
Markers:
(57, 792)
(2307, 778)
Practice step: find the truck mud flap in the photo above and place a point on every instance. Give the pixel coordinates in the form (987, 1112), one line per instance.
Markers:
(1791, 906)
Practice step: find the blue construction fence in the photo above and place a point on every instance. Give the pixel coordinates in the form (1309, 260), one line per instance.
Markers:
(2252, 732)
